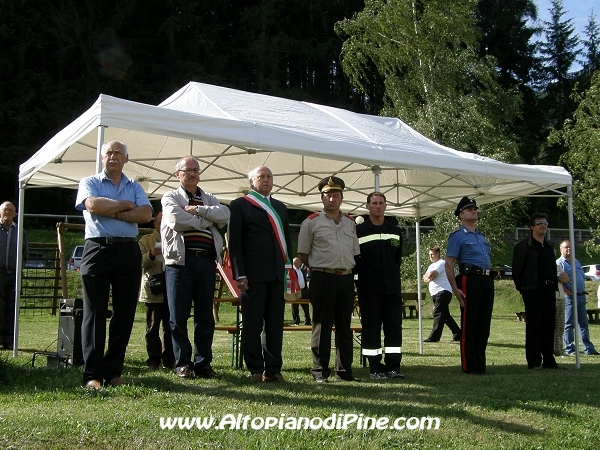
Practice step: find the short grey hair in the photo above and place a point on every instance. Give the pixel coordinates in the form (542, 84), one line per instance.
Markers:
(5, 204)
(252, 173)
(109, 144)
(179, 164)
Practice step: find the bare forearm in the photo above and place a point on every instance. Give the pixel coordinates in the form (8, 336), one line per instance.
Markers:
(139, 214)
(103, 206)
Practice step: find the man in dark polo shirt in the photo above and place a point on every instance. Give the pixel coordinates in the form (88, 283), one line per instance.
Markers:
(327, 244)
(112, 206)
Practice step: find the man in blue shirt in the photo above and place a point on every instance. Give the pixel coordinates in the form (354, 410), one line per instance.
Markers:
(112, 206)
(582, 319)
(473, 287)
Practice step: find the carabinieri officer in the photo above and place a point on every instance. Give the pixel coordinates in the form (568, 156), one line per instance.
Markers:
(473, 287)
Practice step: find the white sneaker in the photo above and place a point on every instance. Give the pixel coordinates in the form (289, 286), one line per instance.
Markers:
(394, 374)
(378, 376)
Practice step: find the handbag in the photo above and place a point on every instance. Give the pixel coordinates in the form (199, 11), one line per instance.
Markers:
(157, 283)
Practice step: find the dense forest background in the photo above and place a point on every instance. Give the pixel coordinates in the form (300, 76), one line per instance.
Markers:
(468, 74)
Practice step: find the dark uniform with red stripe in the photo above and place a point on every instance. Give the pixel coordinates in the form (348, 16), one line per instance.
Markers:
(472, 252)
(379, 293)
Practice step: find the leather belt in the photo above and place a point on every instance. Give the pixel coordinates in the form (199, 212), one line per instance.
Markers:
(483, 272)
(333, 271)
(194, 252)
(113, 240)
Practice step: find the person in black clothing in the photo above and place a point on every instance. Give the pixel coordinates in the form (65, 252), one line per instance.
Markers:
(261, 261)
(534, 275)
(378, 286)
(302, 272)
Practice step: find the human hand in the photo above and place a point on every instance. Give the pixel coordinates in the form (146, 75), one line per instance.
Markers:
(242, 284)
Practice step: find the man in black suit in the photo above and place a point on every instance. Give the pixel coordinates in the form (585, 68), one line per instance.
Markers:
(302, 273)
(259, 234)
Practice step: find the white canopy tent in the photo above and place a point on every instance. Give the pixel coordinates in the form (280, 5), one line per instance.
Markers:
(232, 131)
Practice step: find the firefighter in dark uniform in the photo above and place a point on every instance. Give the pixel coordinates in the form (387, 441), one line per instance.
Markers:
(378, 287)
(471, 250)
(327, 244)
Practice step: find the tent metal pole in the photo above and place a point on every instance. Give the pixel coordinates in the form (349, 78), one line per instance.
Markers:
(574, 277)
(19, 272)
(99, 148)
(419, 302)
(376, 173)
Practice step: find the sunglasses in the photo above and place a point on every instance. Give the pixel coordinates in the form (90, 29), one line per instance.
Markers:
(541, 223)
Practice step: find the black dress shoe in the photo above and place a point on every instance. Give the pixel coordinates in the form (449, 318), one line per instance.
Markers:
(338, 378)
(429, 340)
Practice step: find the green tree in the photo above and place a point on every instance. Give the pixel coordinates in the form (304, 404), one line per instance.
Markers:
(507, 36)
(558, 52)
(424, 57)
(581, 137)
(591, 46)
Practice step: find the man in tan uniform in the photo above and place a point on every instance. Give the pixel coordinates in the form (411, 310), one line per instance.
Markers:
(327, 243)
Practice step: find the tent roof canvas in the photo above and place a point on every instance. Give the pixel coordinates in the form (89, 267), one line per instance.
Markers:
(231, 131)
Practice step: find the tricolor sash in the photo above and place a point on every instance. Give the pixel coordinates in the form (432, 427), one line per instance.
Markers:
(291, 279)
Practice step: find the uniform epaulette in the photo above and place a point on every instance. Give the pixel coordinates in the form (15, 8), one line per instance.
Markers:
(349, 217)
(313, 215)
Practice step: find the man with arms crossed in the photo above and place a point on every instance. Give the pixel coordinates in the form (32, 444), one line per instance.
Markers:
(441, 294)
(112, 206)
(582, 318)
(190, 244)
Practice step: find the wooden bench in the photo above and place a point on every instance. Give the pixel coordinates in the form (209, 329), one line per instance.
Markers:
(593, 315)
(236, 344)
(410, 304)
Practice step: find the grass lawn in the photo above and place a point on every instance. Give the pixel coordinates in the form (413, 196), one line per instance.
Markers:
(512, 408)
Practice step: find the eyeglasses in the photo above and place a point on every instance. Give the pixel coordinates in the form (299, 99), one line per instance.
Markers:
(541, 223)
(188, 171)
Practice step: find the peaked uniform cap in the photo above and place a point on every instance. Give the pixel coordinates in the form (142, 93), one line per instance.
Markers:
(331, 184)
(464, 203)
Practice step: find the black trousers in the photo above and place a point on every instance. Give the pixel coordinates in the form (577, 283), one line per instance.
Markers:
(379, 311)
(540, 311)
(476, 318)
(296, 313)
(263, 307)
(332, 299)
(159, 350)
(7, 307)
(441, 316)
(108, 269)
